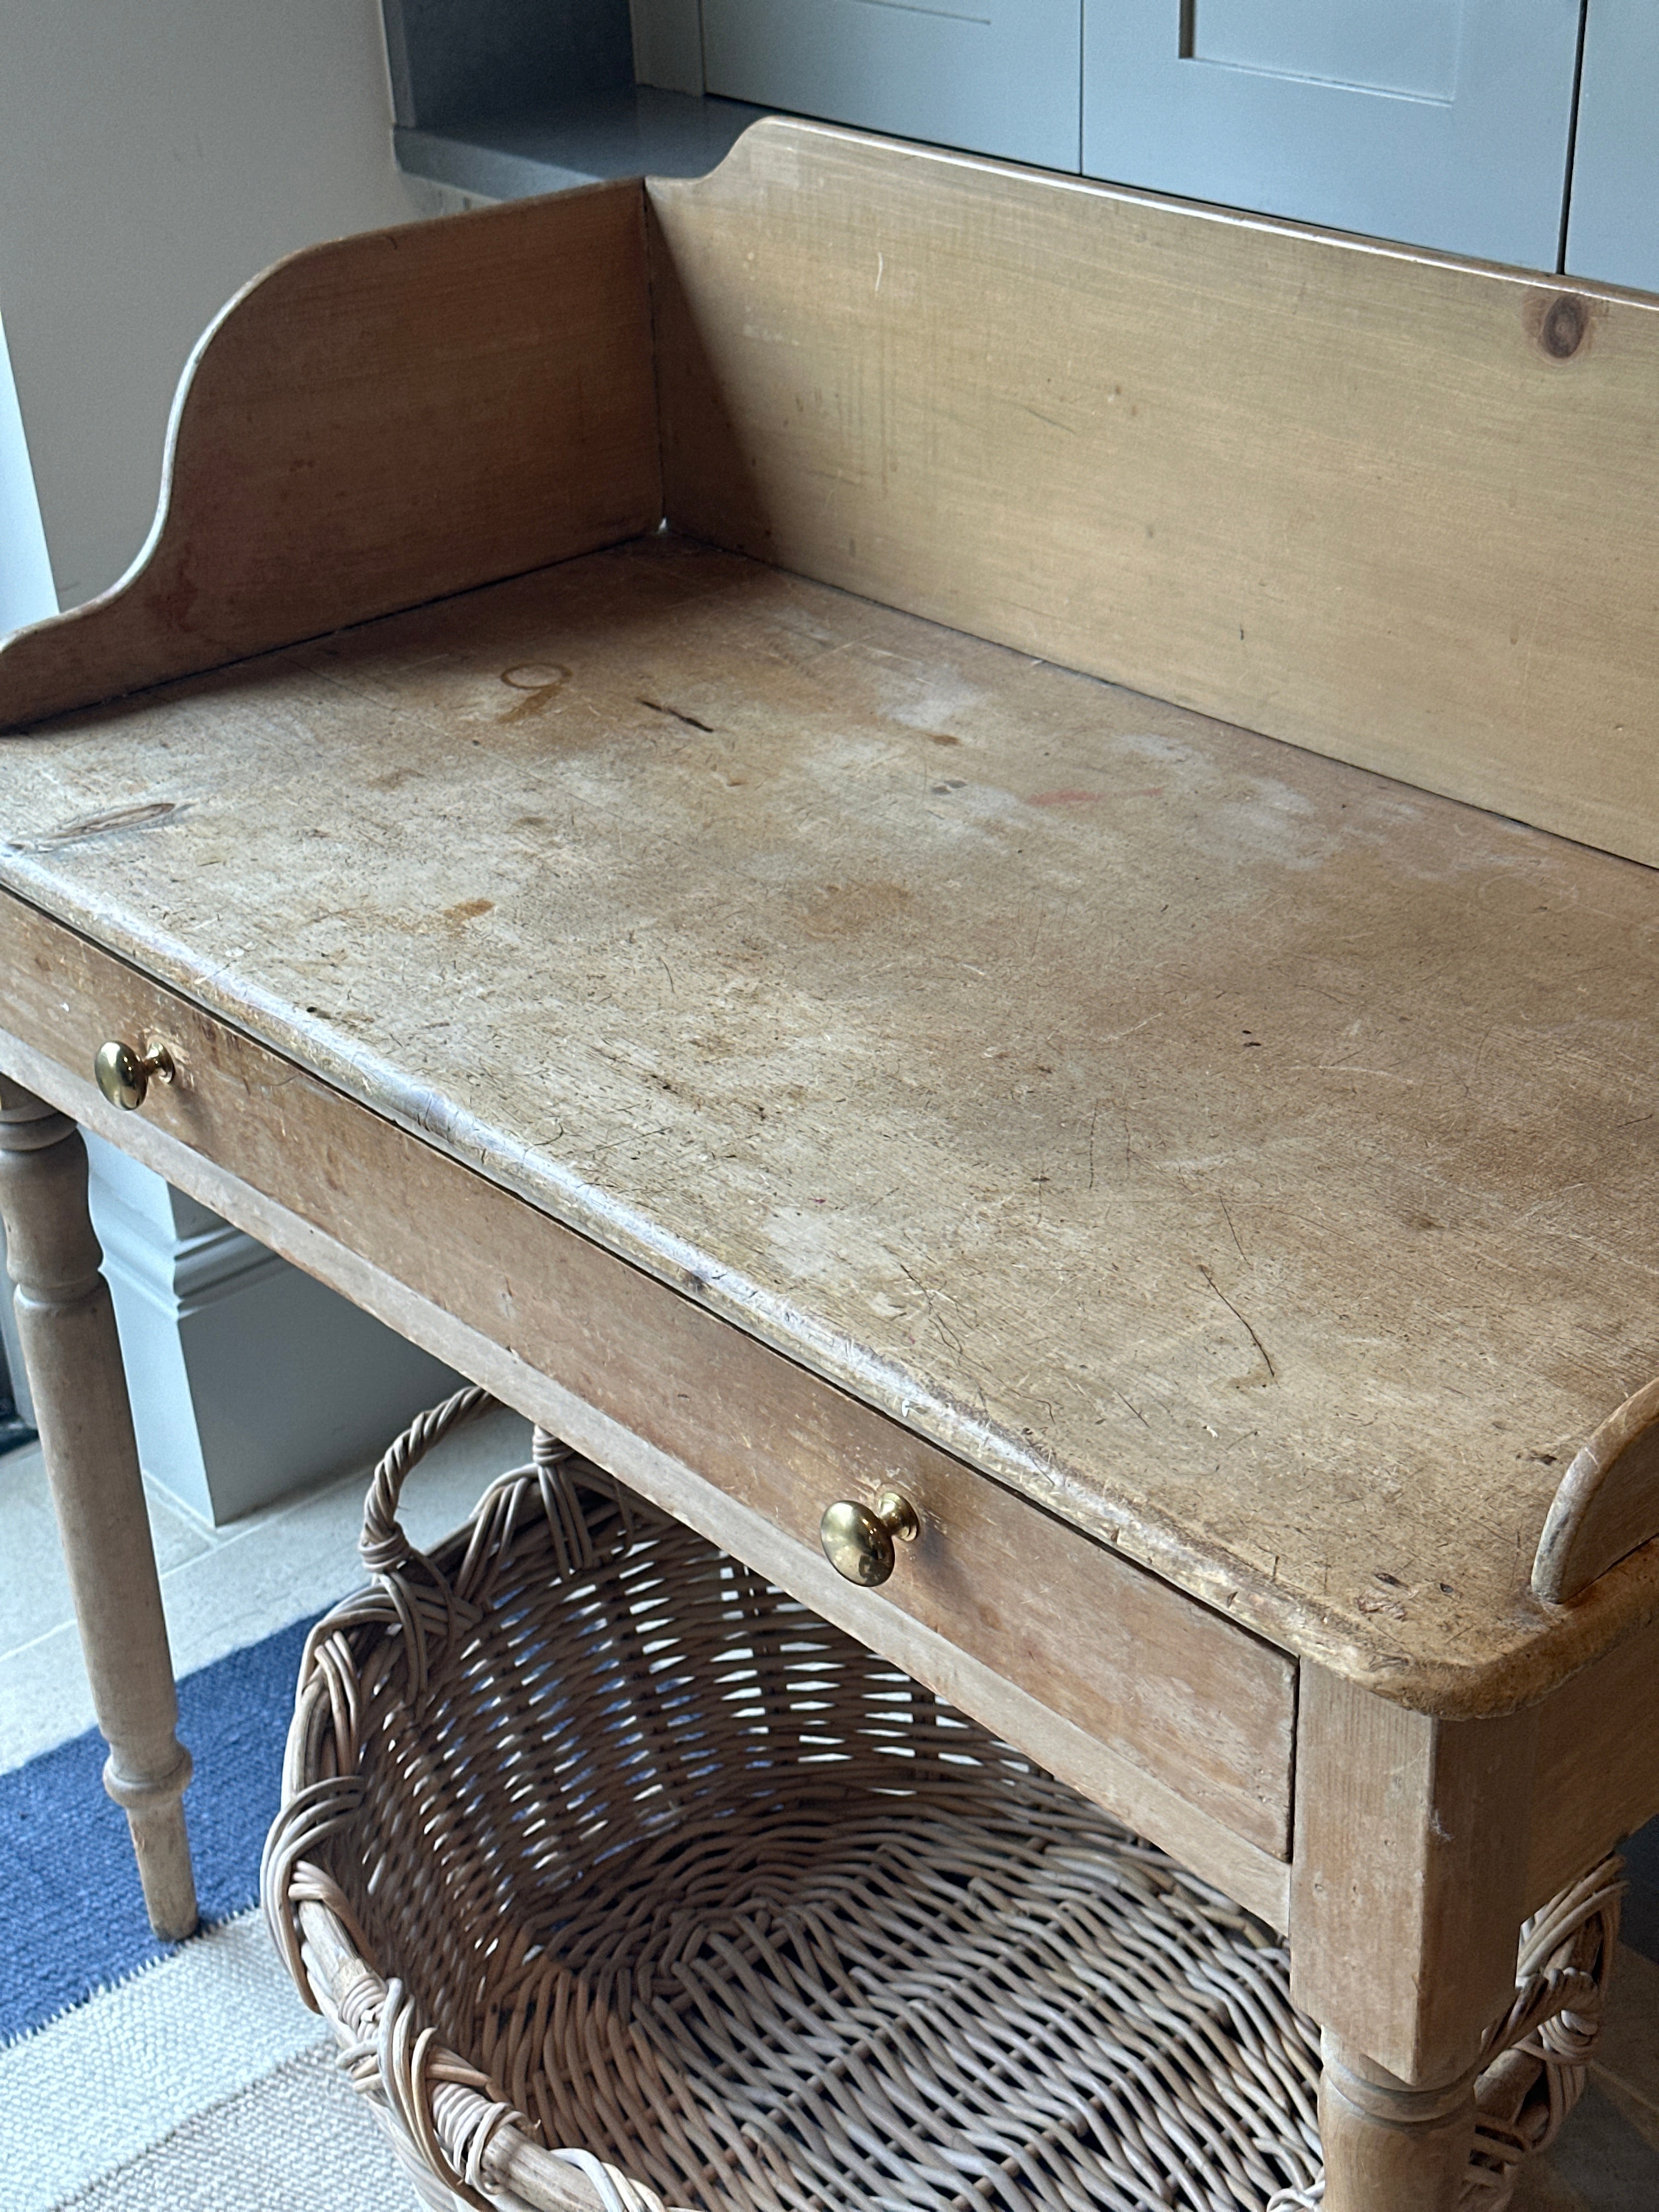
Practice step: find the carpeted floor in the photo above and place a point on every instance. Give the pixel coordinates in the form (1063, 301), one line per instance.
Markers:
(74, 1919)
(135, 2075)
(138, 2076)
(322, 2152)
(202, 2082)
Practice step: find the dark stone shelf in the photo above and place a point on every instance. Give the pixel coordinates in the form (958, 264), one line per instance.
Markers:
(636, 132)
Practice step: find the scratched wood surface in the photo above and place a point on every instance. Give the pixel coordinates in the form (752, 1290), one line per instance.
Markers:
(1393, 506)
(1246, 1156)
(373, 422)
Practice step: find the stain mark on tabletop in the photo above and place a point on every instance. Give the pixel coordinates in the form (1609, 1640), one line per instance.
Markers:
(139, 816)
(540, 681)
(468, 909)
(674, 715)
(175, 602)
(841, 909)
(1367, 1602)
(1064, 798)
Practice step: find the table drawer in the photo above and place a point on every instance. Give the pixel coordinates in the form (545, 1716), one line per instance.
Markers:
(1167, 1687)
(1143, 1669)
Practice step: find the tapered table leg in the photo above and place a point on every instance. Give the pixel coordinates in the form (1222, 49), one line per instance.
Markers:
(66, 1324)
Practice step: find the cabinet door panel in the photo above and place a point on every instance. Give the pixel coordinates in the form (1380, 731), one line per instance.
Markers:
(1613, 232)
(1444, 123)
(995, 77)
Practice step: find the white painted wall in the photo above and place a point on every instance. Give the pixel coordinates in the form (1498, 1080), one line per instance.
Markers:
(26, 587)
(154, 155)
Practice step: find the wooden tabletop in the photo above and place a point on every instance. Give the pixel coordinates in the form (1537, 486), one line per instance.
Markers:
(1248, 1156)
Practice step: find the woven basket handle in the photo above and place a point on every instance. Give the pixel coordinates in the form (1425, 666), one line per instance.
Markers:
(384, 1547)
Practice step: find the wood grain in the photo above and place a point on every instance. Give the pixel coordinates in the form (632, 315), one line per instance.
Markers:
(1389, 2148)
(1410, 1876)
(1598, 1765)
(374, 423)
(1392, 507)
(1607, 1505)
(1155, 1682)
(1228, 1150)
(66, 1328)
(1150, 1807)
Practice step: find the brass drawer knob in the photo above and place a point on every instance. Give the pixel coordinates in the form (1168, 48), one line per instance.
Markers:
(124, 1078)
(858, 1542)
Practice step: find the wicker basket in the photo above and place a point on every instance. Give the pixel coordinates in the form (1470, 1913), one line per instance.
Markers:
(604, 1859)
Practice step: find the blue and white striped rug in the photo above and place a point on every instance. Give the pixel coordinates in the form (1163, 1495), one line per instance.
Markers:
(138, 2076)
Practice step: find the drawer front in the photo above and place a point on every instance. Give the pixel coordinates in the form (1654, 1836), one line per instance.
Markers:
(1159, 1681)
(1141, 1668)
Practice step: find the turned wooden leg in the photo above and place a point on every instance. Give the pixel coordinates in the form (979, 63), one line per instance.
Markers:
(1388, 2147)
(66, 1324)
(1407, 1892)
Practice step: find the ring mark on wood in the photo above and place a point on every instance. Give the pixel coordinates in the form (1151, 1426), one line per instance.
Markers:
(536, 675)
(541, 681)
(351, 393)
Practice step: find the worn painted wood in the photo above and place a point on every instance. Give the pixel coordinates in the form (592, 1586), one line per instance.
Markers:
(1237, 1154)
(1194, 1698)
(1390, 507)
(66, 1325)
(374, 423)
(1407, 1897)
(1607, 1504)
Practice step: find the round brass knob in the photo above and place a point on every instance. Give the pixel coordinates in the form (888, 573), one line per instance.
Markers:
(858, 1542)
(124, 1078)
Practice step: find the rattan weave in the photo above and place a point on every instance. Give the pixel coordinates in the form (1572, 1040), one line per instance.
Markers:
(591, 1840)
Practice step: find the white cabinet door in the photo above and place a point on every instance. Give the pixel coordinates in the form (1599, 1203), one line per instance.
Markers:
(996, 76)
(1613, 230)
(1441, 122)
